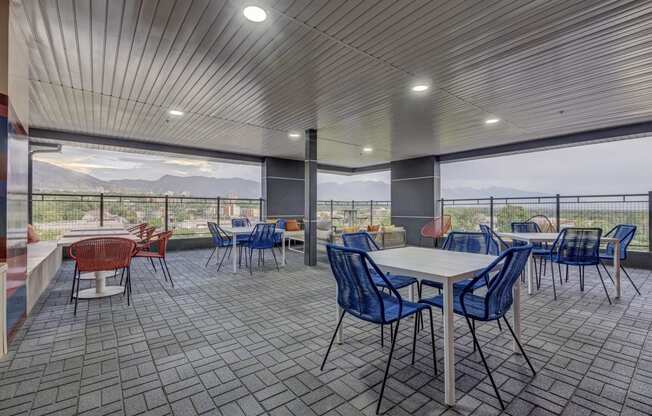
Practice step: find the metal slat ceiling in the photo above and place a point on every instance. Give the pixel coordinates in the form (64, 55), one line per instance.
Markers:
(114, 68)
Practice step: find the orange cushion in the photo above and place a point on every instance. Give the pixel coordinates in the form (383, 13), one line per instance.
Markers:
(32, 236)
(373, 228)
(292, 225)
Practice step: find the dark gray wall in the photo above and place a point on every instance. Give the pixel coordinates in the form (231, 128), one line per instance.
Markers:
(283, 188)
(415, 188)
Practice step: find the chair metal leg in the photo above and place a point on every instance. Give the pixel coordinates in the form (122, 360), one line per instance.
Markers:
(77, 293)
(211, 256)
(473, 322)
(581, 269)
(152, 262)
(414, 338)
(606, 292)
(566, 273)
(122, 275)
(432, 340)
(251, 261)
(500, 328)
(554, 289)
(520, 347)
(165, 276)
(607, 270)
(275, 261)
(226, 252)
(382, 336)
(74, 281)
(165, 263)
(128, 286)
(484, 361)
(337, 328)
(629, 278)
(389, 362)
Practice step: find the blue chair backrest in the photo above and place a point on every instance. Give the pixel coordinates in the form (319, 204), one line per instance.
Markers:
(357, 293)
(494, 245)
(467, 242)
(525, 227)
(625, 233)
(280, 223)
(240, 222)
(578, 245)
(362, 241)
(218, 236)
(498, 299)
(263, 236)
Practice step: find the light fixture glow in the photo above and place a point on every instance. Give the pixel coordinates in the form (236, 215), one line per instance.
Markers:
(175, 113)
(294, 135)
(492, 120)
(420, 88)
(367, 149)
(254, 14)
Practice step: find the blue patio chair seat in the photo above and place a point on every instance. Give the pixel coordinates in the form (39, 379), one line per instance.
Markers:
(393, 310)
(262, 238)
(474, 305)
(625, 233)
(397, 281)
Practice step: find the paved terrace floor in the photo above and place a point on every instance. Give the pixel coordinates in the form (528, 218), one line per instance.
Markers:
(231, 344)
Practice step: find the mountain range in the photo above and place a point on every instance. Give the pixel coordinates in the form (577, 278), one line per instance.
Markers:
(52, 178)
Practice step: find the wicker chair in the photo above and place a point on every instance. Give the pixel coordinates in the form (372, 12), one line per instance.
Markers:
(435, 228)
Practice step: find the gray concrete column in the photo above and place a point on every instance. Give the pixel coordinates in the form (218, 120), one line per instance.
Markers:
(415, 190)
(283, 188)
(310, 211)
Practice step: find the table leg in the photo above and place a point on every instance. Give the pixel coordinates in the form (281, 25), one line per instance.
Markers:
(529, 274)
(449, 345)
(234, 253)
(516, 312)
(617, 267)
(283, 249)
(100, 282)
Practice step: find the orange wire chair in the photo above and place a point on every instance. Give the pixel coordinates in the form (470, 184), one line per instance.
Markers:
(138, 228)
(102, 254)
(160, 241)
(435, 228)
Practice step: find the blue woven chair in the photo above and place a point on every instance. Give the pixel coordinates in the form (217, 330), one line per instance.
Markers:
(501, 275)
(220, 239)
(240, 222)
(540, 251)
(625, 233)
(496, 244)
(577, 247)
(359, 296)
(262, 238)
(365, 242)
(280, 225)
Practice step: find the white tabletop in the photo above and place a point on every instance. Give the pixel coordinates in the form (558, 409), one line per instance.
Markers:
(543, 237)
(431, 263)
(245, 230)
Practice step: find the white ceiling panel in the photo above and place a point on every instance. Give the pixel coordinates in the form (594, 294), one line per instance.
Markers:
(115, 68)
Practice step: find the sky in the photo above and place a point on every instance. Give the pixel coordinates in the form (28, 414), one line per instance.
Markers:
(613, 167)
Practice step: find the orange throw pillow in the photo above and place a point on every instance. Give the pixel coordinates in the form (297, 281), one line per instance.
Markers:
(373, 228)
(292, 225)
(32, 236)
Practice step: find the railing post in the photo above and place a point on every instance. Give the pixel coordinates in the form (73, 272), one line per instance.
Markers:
(649, 220)
(166, 213)
(441, 216)
(260, 209)
(101, 209)
(558, 212)
(491, 212)
(371, 212)
(218, 210)
(331, 214)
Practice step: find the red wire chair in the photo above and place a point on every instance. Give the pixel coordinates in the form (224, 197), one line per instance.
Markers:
(102, 254)
(160, 241)
(138, 228)
(435, 228)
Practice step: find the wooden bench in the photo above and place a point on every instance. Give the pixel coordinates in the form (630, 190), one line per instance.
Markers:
(43, 262)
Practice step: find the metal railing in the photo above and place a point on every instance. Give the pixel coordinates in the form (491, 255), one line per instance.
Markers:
(55, 213)
(602, 211)
(355, 214)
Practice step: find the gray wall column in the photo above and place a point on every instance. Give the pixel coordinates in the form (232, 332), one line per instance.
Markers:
(415, 190)
(310, 211)
(283, 188)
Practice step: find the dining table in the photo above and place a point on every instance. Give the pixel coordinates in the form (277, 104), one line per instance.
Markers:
(234, 232)
(549, 238)
(445, 267)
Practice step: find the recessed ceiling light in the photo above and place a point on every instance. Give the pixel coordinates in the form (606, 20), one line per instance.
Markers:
(175, 113)
(367, 149)
(254, 13)
(492, 120)
(294, 135)
(420, 88)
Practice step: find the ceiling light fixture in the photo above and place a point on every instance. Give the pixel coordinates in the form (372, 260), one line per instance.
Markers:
(294, 135)
(175, 113)
(420, 88)
(254, 14)
(492, 120)
(367, 149)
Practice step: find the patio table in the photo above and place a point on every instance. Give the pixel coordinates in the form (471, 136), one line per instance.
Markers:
(236, 231)
(445, 267)
(550, 238)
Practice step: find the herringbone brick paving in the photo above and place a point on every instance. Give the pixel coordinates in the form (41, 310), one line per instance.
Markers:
(231, 344)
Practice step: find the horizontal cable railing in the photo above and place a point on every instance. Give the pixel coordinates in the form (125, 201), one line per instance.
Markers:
(602, 211)
(55, 213)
